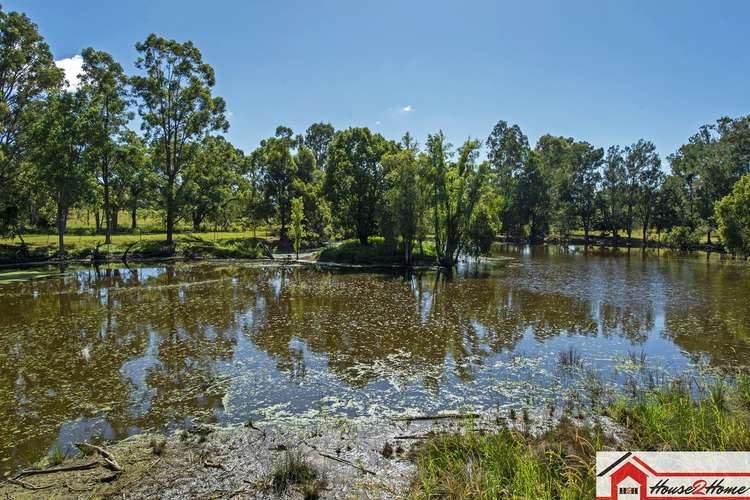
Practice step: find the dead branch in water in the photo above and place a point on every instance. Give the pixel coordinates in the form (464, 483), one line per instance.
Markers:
(347, 462)
(125, 254)
(109, 459)
(438, 417)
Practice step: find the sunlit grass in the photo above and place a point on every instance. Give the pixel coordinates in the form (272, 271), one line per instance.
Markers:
(560, 463)
(672, 419)
(509, 464)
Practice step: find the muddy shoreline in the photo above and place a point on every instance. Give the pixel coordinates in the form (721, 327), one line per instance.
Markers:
(353, 458)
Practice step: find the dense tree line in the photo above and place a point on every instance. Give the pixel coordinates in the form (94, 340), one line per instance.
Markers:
(63, 148)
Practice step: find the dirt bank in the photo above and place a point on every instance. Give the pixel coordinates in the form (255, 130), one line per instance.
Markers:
(344, 459)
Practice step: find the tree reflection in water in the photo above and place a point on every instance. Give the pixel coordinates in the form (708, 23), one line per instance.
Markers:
(111, 351)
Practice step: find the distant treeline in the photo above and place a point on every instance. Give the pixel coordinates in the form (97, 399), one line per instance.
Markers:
(63, 148)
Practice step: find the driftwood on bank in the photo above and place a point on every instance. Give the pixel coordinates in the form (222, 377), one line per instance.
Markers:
(109, 460)
(37, 472)
(29, 486)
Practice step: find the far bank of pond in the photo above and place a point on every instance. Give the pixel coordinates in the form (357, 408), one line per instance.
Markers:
(102, 355)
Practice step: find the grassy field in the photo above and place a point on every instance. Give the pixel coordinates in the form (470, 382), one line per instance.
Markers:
(237, 244)
(124, 239)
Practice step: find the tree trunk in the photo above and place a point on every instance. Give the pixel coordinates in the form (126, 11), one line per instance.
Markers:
(107, 210)
(133, 221)
(708, 236)
(61, 219)
(98, 221)
(170, 211)
(113, 215)
(196, 221)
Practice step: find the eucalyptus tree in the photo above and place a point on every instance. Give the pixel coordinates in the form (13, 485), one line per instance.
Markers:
(318, 137)
(733, 215)
(586, 162)
(633, 162)
(555, 162)
(27, 75)
(355, 179)
(666, 210)
(308, 184)
(455, 191)
(508, 153)
(613, 190)
(104, 86)
(405, 196)
(532, 198)
(298, 230)
(60, 141)
(133, 180)
(252, 203)
(642, 178)
(651, 180)
(212, 178)
(708, 165)
(177, 110)
(274, 160)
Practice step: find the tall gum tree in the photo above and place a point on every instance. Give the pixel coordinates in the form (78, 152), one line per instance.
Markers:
(355, 179)
(177, 109)
(456, 190)
(27, 74)
(60, 142)
(104, 86)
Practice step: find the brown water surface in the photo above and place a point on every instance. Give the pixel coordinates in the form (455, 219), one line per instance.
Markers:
(108, 353)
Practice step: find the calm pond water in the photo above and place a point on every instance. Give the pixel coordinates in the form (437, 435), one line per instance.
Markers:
(102, 355)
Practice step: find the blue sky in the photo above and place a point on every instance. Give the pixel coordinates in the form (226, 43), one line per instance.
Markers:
(609, 72)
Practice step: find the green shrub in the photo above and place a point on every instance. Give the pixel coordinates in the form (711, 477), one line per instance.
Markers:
(682, 238)
(376, 252)
(733, 216)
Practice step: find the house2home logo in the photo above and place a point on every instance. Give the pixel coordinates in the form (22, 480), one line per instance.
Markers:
(643, 475)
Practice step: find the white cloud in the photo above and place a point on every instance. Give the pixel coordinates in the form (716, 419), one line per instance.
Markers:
(377, 122)
(407, 109)
(72, 67)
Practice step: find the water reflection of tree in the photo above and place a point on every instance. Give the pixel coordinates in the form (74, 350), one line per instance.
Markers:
(65, 341)
(709, 317)
(371, 328)
(60, 363)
